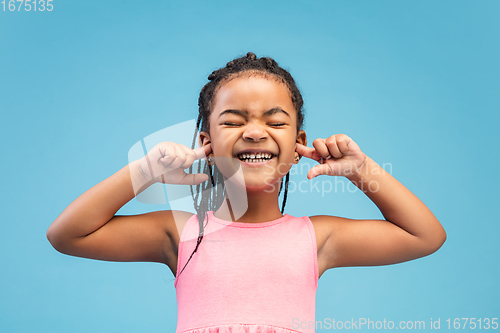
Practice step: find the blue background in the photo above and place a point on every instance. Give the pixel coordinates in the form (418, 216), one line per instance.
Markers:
(414, 83)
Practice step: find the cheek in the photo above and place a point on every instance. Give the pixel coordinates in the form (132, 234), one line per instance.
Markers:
(223, 143)
(221, 147)
(287, 147)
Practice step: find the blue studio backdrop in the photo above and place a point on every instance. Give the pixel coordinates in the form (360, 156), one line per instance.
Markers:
(414, 83)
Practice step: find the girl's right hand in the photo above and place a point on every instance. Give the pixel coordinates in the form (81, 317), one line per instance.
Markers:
(166, 162)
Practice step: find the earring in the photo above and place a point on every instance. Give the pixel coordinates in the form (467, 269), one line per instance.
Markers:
(210, 159)
(297, 157)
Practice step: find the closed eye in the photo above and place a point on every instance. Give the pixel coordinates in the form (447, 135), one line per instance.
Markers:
(235, 124)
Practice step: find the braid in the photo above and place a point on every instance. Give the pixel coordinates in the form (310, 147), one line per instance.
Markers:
(286, 192)
(248, 65)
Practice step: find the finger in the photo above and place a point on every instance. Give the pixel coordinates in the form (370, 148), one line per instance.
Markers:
(180, 158)
(190, 157)
(202, 152)
(169, 157)
(167, 160)
(321, 169)
(194, 179)
(343, 144)
(321, 147)
(333, 148)
(307, 152)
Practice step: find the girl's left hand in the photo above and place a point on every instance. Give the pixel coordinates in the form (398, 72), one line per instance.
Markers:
(338, 155)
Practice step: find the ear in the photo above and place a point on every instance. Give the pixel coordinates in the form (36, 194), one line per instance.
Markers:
(302, 139)
(204, 139)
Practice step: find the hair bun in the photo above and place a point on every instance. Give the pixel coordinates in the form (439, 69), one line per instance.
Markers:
(251, 56)
(268, 61)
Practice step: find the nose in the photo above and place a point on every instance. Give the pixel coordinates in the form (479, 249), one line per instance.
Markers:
(254, 132)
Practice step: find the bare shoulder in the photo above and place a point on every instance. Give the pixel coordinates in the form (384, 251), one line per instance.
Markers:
(174, 222)
(330, 229)
(324, 225)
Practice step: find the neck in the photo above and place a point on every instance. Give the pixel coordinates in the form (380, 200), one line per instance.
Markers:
(243, 205)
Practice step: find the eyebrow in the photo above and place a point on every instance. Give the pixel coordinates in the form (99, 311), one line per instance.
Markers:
(245, 113)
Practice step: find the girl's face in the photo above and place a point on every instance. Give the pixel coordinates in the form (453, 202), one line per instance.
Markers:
(253, 115)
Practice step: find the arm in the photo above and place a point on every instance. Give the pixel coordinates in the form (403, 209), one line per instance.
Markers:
(410, 230)
(89, 228)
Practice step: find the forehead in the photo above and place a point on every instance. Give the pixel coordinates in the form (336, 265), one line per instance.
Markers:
(253, 94)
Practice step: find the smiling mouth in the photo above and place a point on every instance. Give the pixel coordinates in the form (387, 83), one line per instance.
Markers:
(255, 157)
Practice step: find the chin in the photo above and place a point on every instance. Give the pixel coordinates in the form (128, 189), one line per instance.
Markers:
(262, 188)
(254, 186)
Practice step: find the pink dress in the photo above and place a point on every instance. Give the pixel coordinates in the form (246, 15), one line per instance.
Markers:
(247, 277)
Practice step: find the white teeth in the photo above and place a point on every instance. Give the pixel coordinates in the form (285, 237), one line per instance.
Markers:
(255, 157)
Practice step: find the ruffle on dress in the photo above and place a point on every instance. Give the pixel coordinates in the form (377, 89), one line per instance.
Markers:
(241, 328)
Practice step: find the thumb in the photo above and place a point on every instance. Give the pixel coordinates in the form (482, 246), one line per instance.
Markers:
(194, 179)
(321, 169)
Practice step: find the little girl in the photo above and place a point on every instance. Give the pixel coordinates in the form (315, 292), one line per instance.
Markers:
(240, 265)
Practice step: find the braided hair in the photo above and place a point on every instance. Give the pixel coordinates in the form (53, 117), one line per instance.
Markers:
(248, 65)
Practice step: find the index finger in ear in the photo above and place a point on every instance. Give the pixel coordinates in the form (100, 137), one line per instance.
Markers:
(202, 152)
(307, 152)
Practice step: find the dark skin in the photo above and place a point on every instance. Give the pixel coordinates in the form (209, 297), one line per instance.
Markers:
(90, 228)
